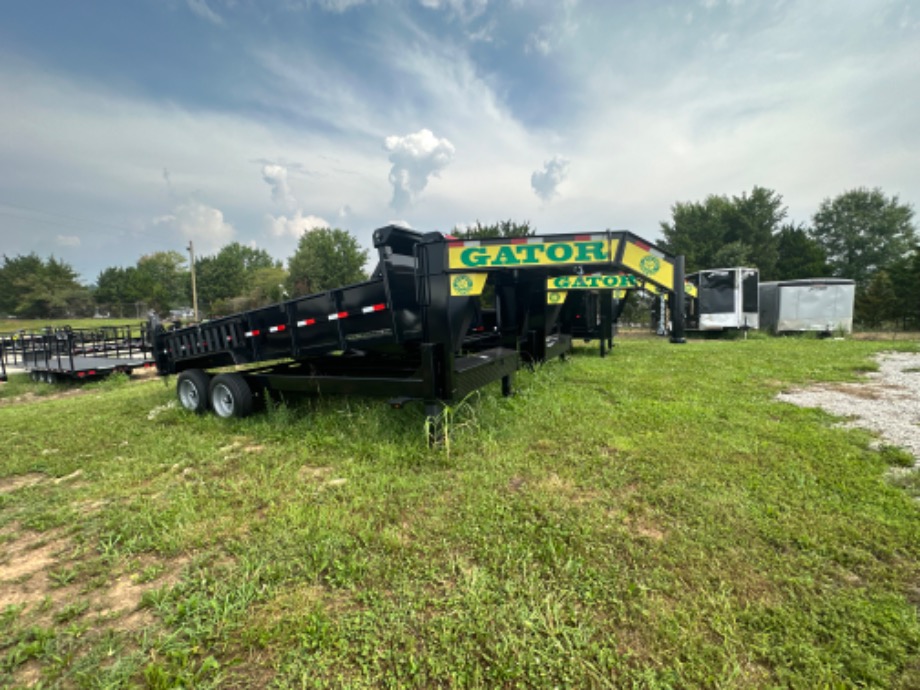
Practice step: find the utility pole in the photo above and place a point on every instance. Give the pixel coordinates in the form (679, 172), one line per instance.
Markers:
(191, 253)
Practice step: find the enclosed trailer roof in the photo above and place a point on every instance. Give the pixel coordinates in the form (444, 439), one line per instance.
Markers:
(807, 282)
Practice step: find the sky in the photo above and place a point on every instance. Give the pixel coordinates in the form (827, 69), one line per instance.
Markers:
(128, 128)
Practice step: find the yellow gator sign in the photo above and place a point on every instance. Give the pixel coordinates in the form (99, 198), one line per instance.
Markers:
(591, 282)
(530, 254)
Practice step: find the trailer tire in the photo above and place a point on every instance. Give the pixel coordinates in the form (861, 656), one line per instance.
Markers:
(231, 396)
(192, 390)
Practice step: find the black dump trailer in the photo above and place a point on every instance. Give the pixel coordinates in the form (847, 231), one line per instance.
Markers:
(77, 354)
(416, 330)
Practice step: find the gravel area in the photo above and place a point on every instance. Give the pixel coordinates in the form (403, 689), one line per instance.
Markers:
(888, 402)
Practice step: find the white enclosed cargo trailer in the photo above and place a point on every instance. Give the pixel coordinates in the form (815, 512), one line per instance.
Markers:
(823, 305)
(725, 298)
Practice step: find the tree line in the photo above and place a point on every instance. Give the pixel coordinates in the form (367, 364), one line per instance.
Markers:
(861, 234)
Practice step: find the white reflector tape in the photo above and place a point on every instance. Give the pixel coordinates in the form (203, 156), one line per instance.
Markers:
(371, 310)
(306, 322)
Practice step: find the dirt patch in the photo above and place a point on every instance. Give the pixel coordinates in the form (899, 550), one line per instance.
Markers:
(28, 398)
(20, 481)
(642, 527)
(554, 484)
(312, 474)
(30, 576)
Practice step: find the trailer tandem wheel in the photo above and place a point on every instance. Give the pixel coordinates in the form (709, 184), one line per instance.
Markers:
(192, 390)
(231, 396)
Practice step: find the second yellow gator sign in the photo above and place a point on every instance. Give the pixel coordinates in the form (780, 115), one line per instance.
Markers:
(591, 282)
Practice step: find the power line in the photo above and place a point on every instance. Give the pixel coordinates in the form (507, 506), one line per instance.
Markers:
(59, 215)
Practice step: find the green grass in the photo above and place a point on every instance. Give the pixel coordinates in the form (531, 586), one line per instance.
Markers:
(653, 520)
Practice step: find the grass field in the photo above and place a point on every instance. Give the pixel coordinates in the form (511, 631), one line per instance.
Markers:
(652, 520)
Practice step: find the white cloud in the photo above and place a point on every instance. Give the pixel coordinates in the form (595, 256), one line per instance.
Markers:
(201, 8)
(295, 226)
(546, 182)
(202, 224)
(465, 9)
(415, 158)
(68, 240)
(276, 177)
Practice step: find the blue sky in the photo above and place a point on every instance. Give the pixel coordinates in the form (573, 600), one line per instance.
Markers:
(133, 127)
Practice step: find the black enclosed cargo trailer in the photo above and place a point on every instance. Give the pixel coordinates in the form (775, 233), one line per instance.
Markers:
(414, 330)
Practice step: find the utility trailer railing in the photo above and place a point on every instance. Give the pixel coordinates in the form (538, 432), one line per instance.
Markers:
(79, 354)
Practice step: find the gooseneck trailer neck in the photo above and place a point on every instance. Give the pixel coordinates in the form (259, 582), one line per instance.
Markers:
(415, 330)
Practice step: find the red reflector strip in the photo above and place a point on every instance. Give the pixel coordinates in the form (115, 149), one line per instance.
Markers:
(92, 372)
(277, 329)
(455, 244)
(306, 322)
(519, 240)
(252, 333)
(376, 307)
(339, 315)
(642, 245)
(582, 238)
(81, 374)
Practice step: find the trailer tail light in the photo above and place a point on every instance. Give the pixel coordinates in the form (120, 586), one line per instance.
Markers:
(277, 329)
(371, 310)
(81, 374)
(306, 322)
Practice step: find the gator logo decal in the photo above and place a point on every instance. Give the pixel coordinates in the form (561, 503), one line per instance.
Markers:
(462, 285)
(529, 254)
(467, 284)
(592, 282)
(650, 265)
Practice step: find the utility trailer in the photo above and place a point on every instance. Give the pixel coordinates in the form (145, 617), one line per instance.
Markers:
(727, 298)
(822, 305)
(68, 354)
(414, 331)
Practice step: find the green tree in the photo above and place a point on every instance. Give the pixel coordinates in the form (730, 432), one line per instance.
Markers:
(905, 280)
(753, 221)
(721, 231)
(876, 302)
(33, 288)
(230, 272)
(161, 280)
(325, 258)
(117, 290)
(862, 231)
(697, 230)
(503, 228)
(14, 271)
(798, 255)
